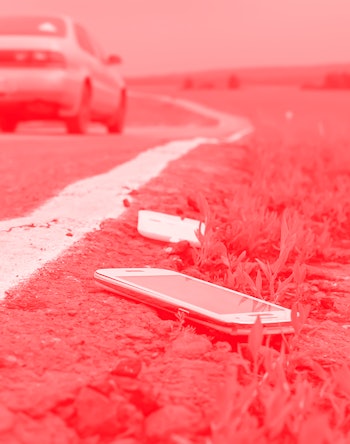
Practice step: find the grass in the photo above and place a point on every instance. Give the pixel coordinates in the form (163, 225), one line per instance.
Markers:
(290, 209)
(277, 221)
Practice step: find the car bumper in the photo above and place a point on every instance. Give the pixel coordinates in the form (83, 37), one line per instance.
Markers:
(31, 93)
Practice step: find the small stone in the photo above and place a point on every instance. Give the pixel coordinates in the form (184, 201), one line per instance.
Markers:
(96, 414)
(7, 419)
(138, 333)
(9, 361)
(173, 419)
(72, 313)
(190, 345)
(92, 320)
(130, 367)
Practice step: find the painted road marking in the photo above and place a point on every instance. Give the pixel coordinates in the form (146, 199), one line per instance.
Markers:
(27, 243)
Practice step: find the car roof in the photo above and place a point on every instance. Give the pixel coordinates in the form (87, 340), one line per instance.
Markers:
(39, 15)
(66, 19)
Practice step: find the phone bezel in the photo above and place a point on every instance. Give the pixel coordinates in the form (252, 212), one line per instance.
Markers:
(109, 277)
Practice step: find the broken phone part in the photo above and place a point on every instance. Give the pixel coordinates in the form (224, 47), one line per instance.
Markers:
(169, 228)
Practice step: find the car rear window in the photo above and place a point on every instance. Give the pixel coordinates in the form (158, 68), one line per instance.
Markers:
(37, 26)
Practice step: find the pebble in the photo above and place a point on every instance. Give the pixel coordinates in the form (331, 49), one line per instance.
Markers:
(130, 367)
(96, 414)
(190, 345)
(7, 419)
(173, 419)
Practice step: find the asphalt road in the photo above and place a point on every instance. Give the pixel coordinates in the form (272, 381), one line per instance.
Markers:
(70, 184)
(35, 166)
(41, 159)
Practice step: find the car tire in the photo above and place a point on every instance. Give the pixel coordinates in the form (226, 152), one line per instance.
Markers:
(8, 125)
(115, 125)
(79, 123)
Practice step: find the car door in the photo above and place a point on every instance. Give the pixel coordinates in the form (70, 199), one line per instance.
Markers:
(101, 81)
(110, 78)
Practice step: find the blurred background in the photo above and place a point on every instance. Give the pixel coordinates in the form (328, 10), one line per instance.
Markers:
(176, 36)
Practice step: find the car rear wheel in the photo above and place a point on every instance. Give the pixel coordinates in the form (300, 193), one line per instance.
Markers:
(8, 124)
(115, 125)
(79, 123)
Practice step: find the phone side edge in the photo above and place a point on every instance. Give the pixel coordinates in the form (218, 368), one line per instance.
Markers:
(132, 271)
(124, 288)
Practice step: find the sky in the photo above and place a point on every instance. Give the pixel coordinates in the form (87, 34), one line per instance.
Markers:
(165, 36)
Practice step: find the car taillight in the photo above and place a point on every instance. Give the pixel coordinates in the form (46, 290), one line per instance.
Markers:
(20, 56)
(32, 58)
(47, 58)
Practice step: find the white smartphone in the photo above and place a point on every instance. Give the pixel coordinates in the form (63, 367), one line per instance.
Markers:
(217, 307)
(168, 228)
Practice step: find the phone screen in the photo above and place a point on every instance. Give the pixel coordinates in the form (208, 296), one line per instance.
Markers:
(217, 300)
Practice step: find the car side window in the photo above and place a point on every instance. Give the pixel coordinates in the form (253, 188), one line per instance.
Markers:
(98, 50)
(83, 40)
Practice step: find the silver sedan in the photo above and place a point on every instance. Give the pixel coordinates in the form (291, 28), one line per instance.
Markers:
(52, 68)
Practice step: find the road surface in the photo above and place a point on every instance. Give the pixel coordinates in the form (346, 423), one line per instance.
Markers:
(55, 185)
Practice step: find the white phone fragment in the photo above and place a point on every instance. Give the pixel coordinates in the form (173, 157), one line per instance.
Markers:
(169, 228)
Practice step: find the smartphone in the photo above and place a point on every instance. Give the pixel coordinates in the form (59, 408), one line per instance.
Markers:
(168, 228)
(205, 303)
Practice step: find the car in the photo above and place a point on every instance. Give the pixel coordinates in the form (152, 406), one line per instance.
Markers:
(52, 68)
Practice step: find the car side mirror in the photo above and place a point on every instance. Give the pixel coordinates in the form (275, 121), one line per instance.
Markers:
(114, 59)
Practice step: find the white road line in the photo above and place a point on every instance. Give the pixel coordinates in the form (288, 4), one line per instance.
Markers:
(27, 243)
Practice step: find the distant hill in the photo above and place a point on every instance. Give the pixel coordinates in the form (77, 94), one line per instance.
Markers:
(293, 75)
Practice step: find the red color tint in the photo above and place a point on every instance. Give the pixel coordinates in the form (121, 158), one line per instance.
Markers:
(80, 364)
